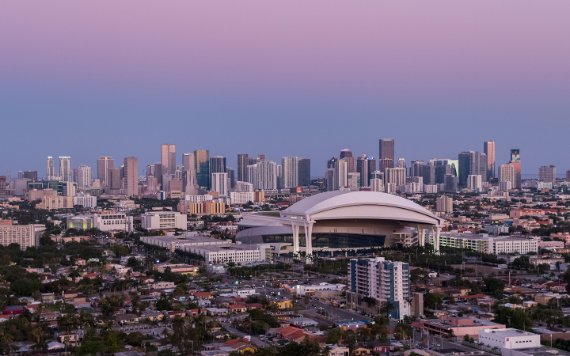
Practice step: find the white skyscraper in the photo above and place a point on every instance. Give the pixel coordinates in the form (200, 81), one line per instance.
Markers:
(263, 175)
(50, 169)
(83, 177)
(220, 183)
(475, 182)
(65, 172)
(290, 167)
(340, 179)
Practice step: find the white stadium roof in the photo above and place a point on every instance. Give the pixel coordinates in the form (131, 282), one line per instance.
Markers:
(359, 205)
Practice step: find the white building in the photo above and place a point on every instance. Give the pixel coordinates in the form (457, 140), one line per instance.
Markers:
(303, 289)
(220, 184)
(382, 280)
(182, 243)
(83, 177)
(243, 187)
(23, 235)
(509, 339)
(240, 198)
(444, 204)
(85, 200)
(164, 220)
(475, 183)
(263, 175)
(239, 254)
(290, 174)
(113, 221)
(490, 244)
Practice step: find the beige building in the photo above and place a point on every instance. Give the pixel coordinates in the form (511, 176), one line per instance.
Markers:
(23, 235)
(131, 180)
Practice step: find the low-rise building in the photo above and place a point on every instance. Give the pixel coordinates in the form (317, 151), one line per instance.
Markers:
(164, 220)
(508, 338)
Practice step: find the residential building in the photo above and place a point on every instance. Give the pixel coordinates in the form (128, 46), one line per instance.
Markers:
(23, 235)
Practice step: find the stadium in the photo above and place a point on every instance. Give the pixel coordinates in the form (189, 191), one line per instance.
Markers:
(341, 220)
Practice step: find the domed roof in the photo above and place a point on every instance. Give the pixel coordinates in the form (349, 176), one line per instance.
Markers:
(361, 203)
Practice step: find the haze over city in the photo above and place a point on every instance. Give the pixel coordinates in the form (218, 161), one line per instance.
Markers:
(301, 79)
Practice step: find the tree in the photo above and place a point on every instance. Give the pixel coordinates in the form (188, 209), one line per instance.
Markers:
(494, 286)
(433, 300)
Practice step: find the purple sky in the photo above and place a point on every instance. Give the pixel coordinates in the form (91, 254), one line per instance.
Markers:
(289, 77)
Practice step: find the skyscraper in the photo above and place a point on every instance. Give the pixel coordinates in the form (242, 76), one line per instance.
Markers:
(507, 176)
(50, 169)
(516, 162)
(340, 179)
(131, 179)
(202, 167)
(65, 173)
(304, 172)
(386, 153)
(217, 164)
(220, 184)
(104, 166)
(290, 166)
(347, 155)
(190, 183)
(242, 163)
(365, 165)
(471, 163)
(489, 149)
(263, 175)
(83, 176)
(168, 158)
(547, 174)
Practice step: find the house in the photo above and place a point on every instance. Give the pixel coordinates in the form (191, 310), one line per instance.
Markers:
(335, 350)
(237, 308)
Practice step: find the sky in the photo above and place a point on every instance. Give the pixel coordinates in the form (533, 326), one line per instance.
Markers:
(306, 78)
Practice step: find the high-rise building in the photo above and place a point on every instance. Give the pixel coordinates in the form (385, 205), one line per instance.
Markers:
(547, 174)
(386, 153)
(290, 173)
(340, 179)
(217, 164)
(471, 163)
(50, 169)
(507, 174)
(189, 180)
(168, 158)
(396, 176)
(377, 181)
(450, 183)
(220, 184)
(444, 204)
(516, 162)
(382, 280)
(202, 159)
(65, 172)
(475, 183)
(489, 149)
(31, 175)
(304, 171)
(83, 177)
(104, 166)
(242, 163)
(131, 178)
(568, 175)
(347, 155)
(263, 175)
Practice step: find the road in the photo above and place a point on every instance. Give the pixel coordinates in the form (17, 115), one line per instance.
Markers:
(255, 340)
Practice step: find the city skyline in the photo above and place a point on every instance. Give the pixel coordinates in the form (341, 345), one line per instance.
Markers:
(443, 82)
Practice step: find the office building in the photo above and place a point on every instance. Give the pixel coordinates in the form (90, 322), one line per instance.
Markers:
(304, 171)
(104, 166)
(347, 155)
(340, 176)
(242, 163)
(471, 163)
(567, 175)
(377, 181)
(217, 164)
(484, 243)
(83, 177)
(131, 178)
(444, 204)
(547, 174)
(164, 220)
(30, 175)
(220, 184)
(489, 150)
(23, 235)
(202, 160)
(386, 153)
(396, 176)
(510, 339)
(516, 162)
(365, 165)
(65, 173)
(87, 201)
(385, 281)
(168, 158)
(290, 173)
